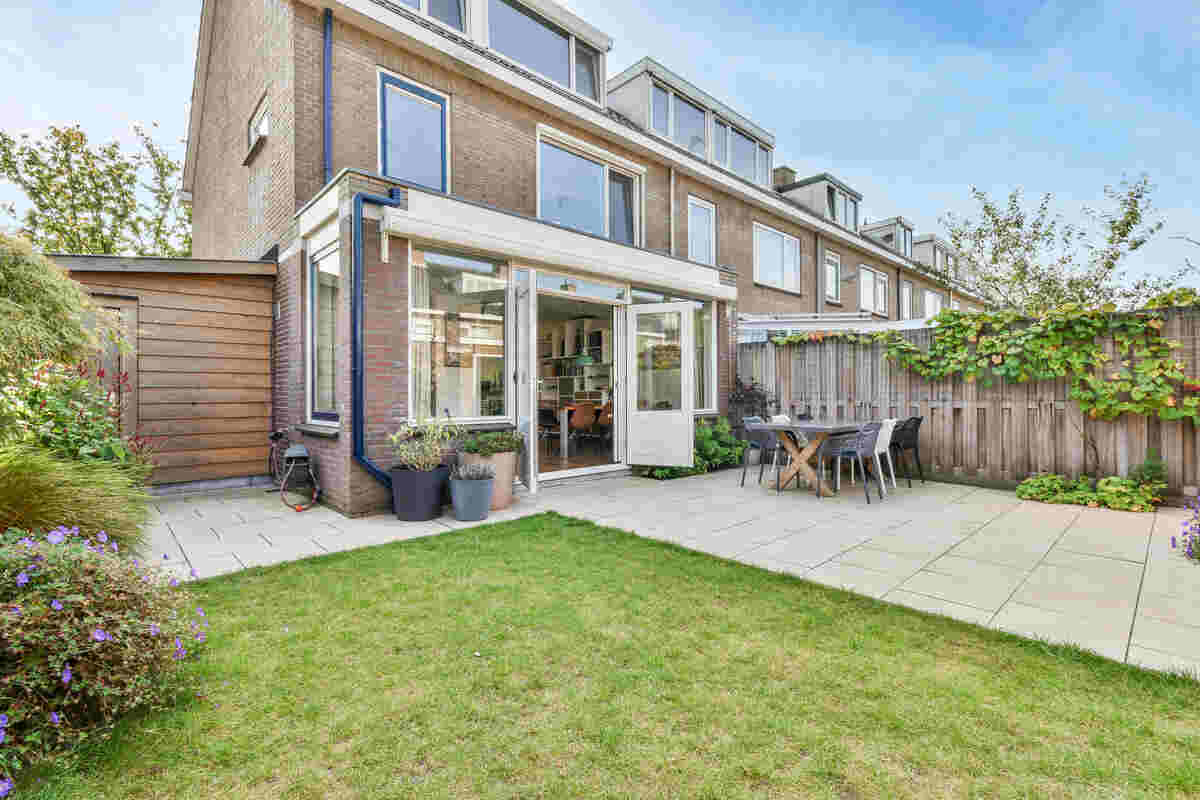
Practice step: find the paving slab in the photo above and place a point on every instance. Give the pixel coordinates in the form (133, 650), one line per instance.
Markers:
(936, 605)
(1167, 637)
(1108, 637)
(853, 578)
(1164, 662)
(987, 592)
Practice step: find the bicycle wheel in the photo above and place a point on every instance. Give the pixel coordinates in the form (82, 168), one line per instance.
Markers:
(299, 489)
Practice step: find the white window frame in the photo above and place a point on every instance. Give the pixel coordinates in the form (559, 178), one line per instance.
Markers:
(380, 122)
(610, 162)
(699, 202)
(423, 8)
(254, 126)
(510, 335)
(712, 360)
(712, 119)
(836, 286)
(928, 293)
(484, 36)
(843, 206)
(875, 276)
(323, 251)
(758, 279)
(906, 301)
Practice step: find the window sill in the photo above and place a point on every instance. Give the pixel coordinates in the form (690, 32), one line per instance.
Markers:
(322, 431)
(832, 302)
(792, 292)
(259, 141)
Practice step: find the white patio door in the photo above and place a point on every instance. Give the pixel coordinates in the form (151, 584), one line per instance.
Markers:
(661, 370)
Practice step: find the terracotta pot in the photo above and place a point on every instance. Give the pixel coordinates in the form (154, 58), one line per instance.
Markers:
(506, 470)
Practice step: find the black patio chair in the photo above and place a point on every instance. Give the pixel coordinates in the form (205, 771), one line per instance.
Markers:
(859, 448)
(906, 439)
(762, 442)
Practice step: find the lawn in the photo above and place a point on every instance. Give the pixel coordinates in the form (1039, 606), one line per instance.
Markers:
(550, 657)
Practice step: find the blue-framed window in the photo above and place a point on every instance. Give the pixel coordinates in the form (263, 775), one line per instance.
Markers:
(413, 140)
(324, 291)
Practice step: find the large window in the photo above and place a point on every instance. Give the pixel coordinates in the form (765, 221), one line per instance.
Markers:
(743, 152)
(932, 304)
(776, 258)
(674, 117)
(534, 42)
(907, 242)
(324, 291)
(702, 231)
(457, 336)
(872, 290)
(906, 310)
(586, 193)
(413, 133)
(833, 276)
(704, 337)
(740, 153)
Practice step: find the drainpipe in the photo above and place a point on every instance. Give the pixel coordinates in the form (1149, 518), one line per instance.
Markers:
(671, 232)
(327, 99)
(357, 365)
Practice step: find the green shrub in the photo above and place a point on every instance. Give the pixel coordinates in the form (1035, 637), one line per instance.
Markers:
(85, 637)
(488, 444)
(1152, 470)
(38, 490)
(1113, 492)
(71, 412)
(715, 447)
(43, 313)
(422, 445)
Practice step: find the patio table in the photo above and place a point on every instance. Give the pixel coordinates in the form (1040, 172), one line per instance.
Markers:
(816, 431)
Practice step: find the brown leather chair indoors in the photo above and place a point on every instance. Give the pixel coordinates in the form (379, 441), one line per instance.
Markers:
(581, 422)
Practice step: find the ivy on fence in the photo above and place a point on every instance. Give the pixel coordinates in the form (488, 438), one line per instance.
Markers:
(1140, 374)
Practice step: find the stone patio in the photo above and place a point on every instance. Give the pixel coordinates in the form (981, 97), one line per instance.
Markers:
(1105, 580)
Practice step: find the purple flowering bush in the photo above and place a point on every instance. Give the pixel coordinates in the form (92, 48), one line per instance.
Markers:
(86, 636)
(1189, 537)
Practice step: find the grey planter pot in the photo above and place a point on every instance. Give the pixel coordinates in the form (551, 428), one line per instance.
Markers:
(471, 499)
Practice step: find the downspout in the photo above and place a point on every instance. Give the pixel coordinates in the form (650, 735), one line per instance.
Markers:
(327, 100)
(357, 366)
(671, 222)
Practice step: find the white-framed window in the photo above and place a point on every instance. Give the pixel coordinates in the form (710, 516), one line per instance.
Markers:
(833, 276)
(583, 187)
(776, 258)
(702, 231)
(686, 123)
(259, 124)
(676, 118)
(932, 303)
(529, 39)
(704, 322)
(451, 13)
(906, 310)
(907, 248)
(841, 207)
(414, 132)
(458, 307)
(872, 290)
(324, 295)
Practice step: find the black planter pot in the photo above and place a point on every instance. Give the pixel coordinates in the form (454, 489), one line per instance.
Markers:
(417, 495)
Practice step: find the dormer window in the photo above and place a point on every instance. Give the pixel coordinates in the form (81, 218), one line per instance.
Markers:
(532, 41)
(842, 208)
(907, 249)
(447, 12)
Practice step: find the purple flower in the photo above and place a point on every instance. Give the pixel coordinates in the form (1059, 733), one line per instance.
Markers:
(54, 717)
(174, 581)
(55, 537)
(2, 735)
(135, 562)
(66, 674)
(178, 643)
(102, 537)
(5, 787)
(200, 611)
(27, 542)
(200, 637)
(56, 605)
(22, 579)
(194, 573)
(3, 720)
(1174, 544)
(166, 557)
(16, 610)
(114, 547)
(99, 635)
(180, 654)
(154, 629)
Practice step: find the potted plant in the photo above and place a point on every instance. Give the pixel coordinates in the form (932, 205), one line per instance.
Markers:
(471, 491)
(419, 476)
(499, 449)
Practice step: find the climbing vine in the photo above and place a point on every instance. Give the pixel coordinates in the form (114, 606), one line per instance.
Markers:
(1140, 375)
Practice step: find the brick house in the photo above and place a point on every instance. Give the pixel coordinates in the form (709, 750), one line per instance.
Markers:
(469, 219)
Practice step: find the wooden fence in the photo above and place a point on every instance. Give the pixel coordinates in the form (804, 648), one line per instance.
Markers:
(973, 433)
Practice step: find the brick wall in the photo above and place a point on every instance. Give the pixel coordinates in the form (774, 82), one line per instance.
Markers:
(241, 211)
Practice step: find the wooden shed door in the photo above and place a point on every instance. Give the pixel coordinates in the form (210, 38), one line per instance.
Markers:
(114, 362)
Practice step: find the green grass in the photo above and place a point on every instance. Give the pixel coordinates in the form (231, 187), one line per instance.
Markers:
(549, 657)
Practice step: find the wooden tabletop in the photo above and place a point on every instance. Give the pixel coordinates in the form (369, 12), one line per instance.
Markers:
(810, 426)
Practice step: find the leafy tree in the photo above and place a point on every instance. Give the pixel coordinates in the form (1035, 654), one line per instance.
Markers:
(96, 199)
(1029, 259)
(43, 313)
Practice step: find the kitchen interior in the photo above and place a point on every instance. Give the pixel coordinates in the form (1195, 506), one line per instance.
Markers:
(575, 383)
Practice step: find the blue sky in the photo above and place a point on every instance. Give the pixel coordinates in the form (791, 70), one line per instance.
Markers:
(910, 104)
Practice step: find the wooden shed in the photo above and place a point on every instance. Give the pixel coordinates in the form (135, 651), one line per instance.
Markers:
(200, 376)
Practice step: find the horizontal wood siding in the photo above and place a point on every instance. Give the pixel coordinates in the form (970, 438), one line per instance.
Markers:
(204, 380)
(991, 435)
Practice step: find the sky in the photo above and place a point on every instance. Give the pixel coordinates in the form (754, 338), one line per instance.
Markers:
(910, 104)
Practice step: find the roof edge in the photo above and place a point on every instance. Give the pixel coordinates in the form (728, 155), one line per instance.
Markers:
(199, 86)
(178, 266)
(822, 176)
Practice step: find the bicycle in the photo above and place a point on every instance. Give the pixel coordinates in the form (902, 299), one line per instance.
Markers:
(294, 472)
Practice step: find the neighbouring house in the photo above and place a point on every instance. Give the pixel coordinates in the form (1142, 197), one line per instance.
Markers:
(468, 219)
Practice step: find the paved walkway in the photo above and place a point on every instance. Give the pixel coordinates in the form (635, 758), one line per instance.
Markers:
(1104, 580)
